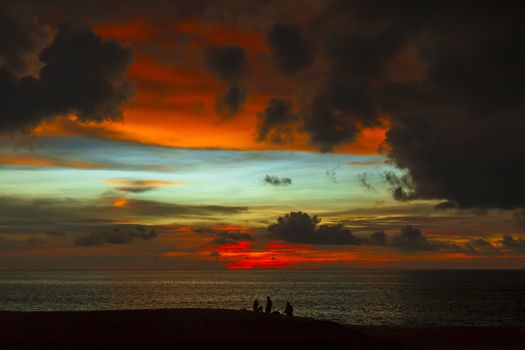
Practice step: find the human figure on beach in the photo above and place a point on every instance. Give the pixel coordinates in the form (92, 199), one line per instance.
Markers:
(269, 304)
(255, 305)
(288, 310)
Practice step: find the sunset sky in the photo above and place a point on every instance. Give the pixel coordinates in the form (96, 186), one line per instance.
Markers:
(175, 134)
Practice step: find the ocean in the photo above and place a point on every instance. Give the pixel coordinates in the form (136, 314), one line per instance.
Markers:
(362, 297)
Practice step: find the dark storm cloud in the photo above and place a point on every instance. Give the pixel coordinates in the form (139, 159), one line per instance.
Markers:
(231, 102)
(343, 102)
(347, 96)
(450, 77)
(292, 52)
(227, 62)
(455, 129)
(326, 121)
(117, 235)
(229, 65)
(21, 38)
(103, 10)
(274, 122)
(299, 227)
(232, 238)
(81, 75)
(277, 181)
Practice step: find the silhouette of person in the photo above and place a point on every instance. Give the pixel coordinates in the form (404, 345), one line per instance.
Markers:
(256, 305)
(269, 304)
(288, 310)
(259, 309)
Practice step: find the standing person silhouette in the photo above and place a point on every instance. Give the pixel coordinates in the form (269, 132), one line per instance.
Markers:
(288, 310)
(269, 304)
(256, 305)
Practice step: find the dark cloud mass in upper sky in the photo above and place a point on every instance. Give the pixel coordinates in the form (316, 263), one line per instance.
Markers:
(274, 122)
(230, 103)
(456, 124)
(21, 37)
(291, 51)
(449, 76)
(81, 74)
(227, 62)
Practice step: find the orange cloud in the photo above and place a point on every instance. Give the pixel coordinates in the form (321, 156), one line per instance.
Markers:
(138, 31)
(172, 129)
(120, 202)
(175, 102)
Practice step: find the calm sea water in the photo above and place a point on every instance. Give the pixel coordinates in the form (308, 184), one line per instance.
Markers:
(351, 296)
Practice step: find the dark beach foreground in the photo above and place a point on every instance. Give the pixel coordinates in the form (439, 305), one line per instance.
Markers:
(176, 329)
(226, 329)
(451, 338)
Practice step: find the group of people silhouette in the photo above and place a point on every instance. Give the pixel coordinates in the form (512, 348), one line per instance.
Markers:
(288, 310)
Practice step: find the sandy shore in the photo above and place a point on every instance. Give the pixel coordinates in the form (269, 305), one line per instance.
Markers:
(223, 329)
